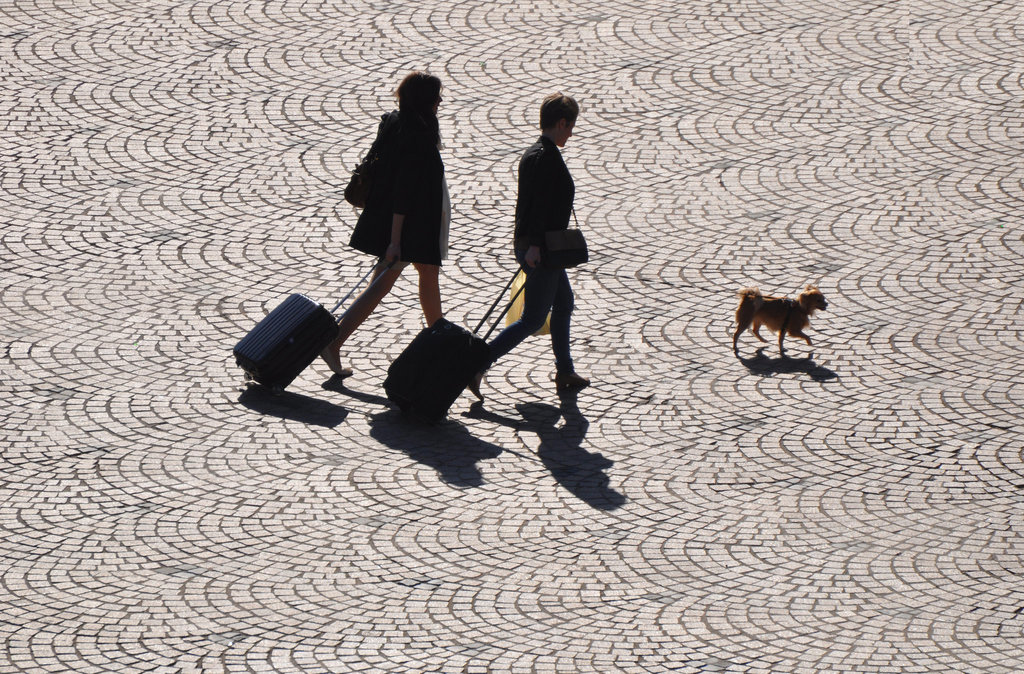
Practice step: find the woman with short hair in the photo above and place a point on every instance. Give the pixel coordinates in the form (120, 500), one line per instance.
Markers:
(543, 204)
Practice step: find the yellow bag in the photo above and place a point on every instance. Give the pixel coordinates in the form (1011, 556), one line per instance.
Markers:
(517, 307)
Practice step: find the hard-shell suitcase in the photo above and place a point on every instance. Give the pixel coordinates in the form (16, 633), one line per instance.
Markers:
(435, 368)
(288, 339)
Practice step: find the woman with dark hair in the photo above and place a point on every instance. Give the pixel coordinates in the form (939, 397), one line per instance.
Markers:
(543, 204)
(408, 209)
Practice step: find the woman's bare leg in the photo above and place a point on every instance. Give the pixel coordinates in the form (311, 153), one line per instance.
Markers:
(430, 291)
(358, 312)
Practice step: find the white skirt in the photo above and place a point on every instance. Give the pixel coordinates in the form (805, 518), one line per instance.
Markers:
(446, 217)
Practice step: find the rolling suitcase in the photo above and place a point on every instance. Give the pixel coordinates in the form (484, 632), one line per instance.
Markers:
(434, 369)
(288, 339)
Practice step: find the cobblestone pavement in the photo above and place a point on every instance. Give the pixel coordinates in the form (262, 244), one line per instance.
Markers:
(172, 169)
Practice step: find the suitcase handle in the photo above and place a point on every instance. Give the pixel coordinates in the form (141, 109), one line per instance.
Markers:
(365, 276)
(498, 299)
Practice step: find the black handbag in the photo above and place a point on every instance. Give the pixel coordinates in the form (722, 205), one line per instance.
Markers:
(357, 192)
(359, 185)
(564, 248)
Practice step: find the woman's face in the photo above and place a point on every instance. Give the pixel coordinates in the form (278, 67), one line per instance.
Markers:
(562, 132)
(437, 103)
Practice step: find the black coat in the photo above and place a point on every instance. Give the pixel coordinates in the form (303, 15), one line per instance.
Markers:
(408, 181)
(546, 193)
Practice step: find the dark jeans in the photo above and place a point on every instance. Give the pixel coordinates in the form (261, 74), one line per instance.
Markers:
(546, 290)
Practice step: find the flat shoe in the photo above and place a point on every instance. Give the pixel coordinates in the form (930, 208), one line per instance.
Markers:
(570, 381)
(474, 385)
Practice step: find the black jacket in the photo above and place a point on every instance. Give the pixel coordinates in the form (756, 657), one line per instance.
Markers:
(546, 192)
(408, 181)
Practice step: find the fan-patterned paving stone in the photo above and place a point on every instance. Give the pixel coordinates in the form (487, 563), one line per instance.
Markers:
(172, 171)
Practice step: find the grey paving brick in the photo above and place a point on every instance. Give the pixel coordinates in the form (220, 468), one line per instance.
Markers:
(172, 170)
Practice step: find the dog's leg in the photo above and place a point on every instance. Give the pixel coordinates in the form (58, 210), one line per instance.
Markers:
(740, 327)
(743, 317)
(754, 329)
(801, 335)
(782, 336)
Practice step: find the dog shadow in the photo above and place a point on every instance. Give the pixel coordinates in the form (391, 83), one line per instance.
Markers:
(580, 472)
(293, 406)
(765, 366)
(446, 447)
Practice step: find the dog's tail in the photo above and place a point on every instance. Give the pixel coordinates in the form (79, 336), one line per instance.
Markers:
(752, 295)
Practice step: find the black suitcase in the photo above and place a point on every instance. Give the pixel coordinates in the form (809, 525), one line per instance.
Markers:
(435, 368)
(288, 339)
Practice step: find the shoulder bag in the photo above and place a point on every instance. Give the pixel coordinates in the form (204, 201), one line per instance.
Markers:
(361, 183)
(564, 248)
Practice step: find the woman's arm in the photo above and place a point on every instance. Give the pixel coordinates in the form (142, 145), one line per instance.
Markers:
(403, 199)
(537, 181)
(394, 251)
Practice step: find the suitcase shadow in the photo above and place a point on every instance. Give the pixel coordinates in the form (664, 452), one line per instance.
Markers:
(580, 472)
(765, 366)
(293, 406)
(447, 447)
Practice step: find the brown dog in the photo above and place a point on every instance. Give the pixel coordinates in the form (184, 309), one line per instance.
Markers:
(779, 314)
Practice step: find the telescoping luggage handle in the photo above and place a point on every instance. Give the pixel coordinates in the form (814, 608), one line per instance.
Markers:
(373, 268)
(487, 315)
(498, 299)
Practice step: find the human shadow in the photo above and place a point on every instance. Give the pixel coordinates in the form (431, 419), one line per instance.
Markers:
(581, 472)
(446, 447)
(294, 406)
(765, 366)
(336, 384)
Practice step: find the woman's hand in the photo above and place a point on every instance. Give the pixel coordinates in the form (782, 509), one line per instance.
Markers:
(532, 257)
(393, 253)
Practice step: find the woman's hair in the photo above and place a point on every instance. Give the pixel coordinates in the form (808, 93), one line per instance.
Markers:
(558, 106)
(417, 95)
